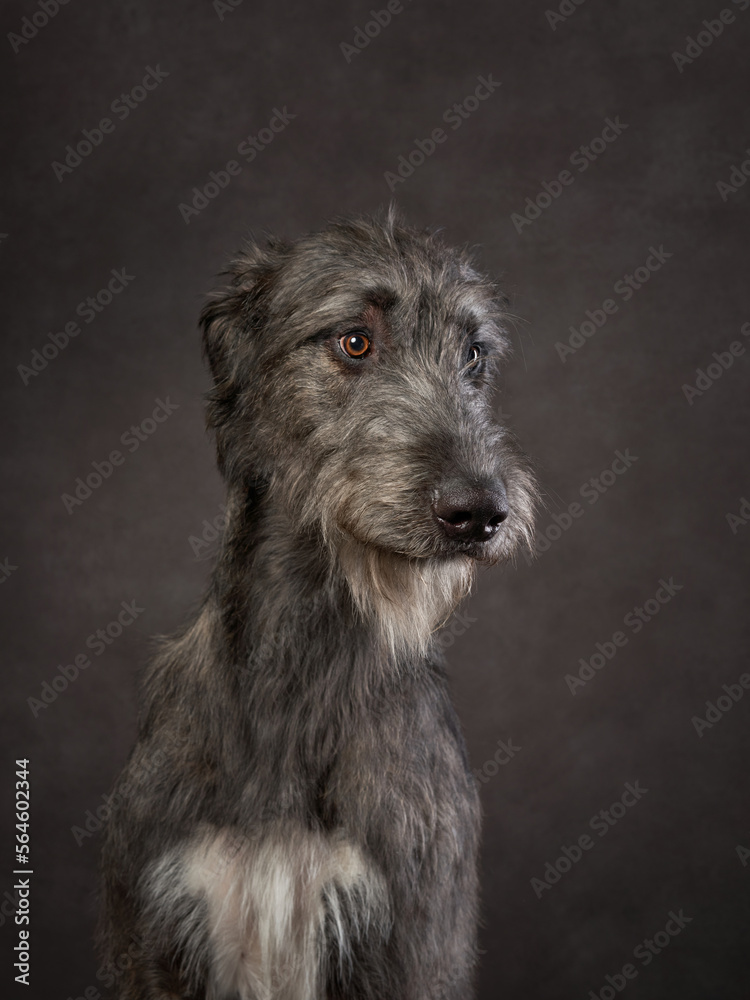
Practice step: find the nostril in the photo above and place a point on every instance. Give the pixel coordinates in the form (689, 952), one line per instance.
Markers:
(497, 520)
(456, 518)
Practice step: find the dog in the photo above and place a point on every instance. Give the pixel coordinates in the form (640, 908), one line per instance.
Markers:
(312, 831)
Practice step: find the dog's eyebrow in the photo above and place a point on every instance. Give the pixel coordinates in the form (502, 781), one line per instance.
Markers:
(469, 323)
(382, 298)
(323, 334)
(492, 335)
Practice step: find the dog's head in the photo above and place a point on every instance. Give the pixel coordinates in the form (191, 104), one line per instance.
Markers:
(352, 376)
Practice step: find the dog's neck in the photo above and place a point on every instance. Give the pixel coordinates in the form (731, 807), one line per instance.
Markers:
(273, 584)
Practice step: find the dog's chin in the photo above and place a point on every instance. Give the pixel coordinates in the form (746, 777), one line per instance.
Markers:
(404, 593)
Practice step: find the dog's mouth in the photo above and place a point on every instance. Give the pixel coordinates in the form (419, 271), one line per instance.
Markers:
(478, 551)
(431, 545)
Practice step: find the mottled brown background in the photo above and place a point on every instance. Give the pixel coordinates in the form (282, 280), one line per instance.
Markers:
(666, 516)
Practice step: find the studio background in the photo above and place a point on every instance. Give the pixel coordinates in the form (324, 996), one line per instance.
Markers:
(225, 72)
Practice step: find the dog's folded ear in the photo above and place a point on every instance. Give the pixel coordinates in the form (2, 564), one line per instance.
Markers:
(232, 323)
(234, 315)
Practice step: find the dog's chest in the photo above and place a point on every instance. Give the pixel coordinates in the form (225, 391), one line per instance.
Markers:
(387, 820)
(401, 786)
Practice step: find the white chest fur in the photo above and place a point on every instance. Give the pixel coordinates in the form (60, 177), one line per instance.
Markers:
(272, 906)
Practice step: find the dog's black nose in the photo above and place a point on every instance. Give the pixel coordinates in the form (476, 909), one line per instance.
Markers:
(470, 514)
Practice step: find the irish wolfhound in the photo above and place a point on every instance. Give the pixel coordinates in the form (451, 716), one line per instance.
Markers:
(312, 831)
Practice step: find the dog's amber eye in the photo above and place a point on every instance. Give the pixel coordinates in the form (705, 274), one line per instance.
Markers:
(356, 344)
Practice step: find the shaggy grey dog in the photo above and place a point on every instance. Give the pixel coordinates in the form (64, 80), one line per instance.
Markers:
(312, 831)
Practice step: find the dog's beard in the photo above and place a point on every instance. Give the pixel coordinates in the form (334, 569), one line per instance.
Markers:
(404, 578)
(403, 599)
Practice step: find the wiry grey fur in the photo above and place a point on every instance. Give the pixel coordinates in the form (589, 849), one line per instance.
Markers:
(313, 831)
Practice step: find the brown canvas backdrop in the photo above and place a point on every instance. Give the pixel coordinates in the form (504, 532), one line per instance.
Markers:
(229, 71)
